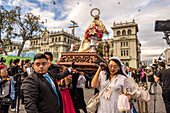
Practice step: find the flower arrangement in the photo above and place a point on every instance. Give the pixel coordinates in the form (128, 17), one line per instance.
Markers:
(94, 31)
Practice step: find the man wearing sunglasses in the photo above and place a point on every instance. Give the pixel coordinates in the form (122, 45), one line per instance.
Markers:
(41, 94)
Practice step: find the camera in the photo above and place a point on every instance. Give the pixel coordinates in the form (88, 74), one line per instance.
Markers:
(162, 25)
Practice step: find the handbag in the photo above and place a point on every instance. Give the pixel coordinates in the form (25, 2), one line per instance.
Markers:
(93, 102)
(6, 101)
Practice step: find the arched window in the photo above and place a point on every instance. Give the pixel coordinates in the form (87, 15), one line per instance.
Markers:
(14, 47)
(118, 33)
(36, 42)
(123, 32)
(64, 39)
(124, 53)
(68, 40)
(121, 44)
(129, 32)
(55, 39)
(59, 39)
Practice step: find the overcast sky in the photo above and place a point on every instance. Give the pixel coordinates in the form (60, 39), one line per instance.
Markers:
(145, 12)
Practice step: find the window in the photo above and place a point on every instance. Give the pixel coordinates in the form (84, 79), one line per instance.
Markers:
(127, 52)
(121, 53)
(14, 47)
(52, 39)
(126, 43)
(129, 32)
(127, 64)
(36, 42)
(55, 39)
(64, 39)
(118, 33)
(57, 55)
(121, 44)
(68, 40)
(112, 54)
(123, 32)
(59, 39)
(124, 53)
(112, 44)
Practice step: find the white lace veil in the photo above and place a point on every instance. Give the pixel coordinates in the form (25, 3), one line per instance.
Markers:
(122, 65)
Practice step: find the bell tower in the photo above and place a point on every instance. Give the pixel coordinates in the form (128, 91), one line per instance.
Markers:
(126, 43)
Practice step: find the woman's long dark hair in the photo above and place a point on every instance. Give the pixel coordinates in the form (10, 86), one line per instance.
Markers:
(118, 72)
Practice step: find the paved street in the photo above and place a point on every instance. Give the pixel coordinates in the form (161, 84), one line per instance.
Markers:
(159, 102)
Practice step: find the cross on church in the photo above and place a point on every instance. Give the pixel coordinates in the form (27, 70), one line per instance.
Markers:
(73, 27)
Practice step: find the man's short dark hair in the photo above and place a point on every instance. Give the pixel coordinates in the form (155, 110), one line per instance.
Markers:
(40, 56)
(162, 64)
(49, 54)
(16, 61)
(27, 61)
(2, 59)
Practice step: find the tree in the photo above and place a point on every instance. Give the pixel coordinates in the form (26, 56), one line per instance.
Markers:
(27, 26)
(7, 23)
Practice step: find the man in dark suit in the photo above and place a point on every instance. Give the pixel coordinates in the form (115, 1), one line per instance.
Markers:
(41, 94)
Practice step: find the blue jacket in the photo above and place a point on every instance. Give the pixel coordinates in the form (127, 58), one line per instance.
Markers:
(12, 92)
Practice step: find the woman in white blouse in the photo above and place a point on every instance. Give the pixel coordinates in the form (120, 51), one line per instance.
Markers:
(108, 100)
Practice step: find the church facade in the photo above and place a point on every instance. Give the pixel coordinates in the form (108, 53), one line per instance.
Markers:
(53, 42)
(125, 43)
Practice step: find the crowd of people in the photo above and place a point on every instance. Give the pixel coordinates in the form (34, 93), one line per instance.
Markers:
(44, 87)
(41, 86)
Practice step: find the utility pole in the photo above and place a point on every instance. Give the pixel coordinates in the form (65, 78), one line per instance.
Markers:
(73, 28)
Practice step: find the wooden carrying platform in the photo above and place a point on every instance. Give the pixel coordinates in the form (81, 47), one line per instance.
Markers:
(88, 62)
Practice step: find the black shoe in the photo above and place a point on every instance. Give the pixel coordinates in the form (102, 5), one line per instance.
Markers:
(87, 87)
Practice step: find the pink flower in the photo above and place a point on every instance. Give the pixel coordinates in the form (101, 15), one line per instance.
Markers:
(93, 27)
(100, 31)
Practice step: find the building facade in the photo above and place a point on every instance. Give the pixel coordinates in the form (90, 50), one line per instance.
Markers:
(11, 47)
(53, 42)
(167, 56)
(125, 43)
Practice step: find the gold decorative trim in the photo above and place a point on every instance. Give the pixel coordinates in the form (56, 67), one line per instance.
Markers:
(123, 109)
(95, 16)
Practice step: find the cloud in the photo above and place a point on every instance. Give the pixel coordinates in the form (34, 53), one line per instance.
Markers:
(145, 13)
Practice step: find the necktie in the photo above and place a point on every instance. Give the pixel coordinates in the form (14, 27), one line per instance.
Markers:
(53, 86)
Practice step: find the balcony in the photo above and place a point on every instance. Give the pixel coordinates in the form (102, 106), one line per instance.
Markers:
(125, 57)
